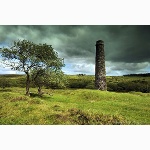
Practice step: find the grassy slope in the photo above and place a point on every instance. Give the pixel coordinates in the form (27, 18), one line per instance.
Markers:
(81, 106)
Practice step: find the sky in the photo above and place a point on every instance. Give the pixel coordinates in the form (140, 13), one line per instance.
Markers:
(127, 47)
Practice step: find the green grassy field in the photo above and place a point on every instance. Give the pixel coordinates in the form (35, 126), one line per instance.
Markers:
(73, 107)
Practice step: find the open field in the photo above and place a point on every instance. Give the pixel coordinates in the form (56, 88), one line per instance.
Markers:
(73, 106)
(127, 101)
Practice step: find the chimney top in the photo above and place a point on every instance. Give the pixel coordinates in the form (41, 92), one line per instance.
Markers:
(99, 42)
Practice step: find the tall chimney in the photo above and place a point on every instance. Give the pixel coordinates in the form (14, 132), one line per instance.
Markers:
(100, 73)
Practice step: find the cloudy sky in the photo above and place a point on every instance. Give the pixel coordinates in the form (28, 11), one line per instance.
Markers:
(127, 48)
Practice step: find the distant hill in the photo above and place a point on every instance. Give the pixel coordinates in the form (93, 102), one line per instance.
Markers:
(140, 74)
(12, 75)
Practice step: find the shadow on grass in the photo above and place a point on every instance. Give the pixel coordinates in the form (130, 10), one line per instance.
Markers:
(42, 96)
(35, 95)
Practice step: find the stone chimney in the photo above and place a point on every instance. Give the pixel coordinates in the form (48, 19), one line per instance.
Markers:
(100, 72)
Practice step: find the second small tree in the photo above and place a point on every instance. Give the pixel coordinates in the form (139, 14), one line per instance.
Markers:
(48, 78)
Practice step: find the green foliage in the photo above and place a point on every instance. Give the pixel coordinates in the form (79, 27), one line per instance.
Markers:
(20, 56)
(4, 83)
(129, 84)
(58, 80)
(49, 78)
(13, 80)
(27, 56)
(117, 84)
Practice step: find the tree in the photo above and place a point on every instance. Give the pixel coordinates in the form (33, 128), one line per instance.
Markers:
(48, 78)
(26, 56)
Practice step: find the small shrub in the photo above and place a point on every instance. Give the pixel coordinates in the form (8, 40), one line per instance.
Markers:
(81, 118)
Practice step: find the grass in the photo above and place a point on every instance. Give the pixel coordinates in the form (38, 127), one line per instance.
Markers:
(71, 107)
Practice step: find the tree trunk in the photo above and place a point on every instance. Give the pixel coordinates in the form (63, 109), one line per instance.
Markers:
(27, 84)
(39, 90)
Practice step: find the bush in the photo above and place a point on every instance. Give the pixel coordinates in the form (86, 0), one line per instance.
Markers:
(4, 83)
(81, 82)
(75, 83)
(137, 86)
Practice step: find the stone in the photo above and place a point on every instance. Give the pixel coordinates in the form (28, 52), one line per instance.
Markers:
(100, 72)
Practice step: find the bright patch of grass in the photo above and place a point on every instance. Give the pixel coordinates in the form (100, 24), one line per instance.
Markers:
(80, 106)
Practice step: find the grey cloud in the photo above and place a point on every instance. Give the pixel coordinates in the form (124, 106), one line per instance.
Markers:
(130, 66)
(126, 47)
(126, 68)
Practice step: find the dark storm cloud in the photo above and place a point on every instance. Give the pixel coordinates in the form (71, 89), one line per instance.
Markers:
(125, 46)
(134, 45)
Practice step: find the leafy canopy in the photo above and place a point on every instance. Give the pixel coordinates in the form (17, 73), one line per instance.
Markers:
(32, 58)
(25, 55)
